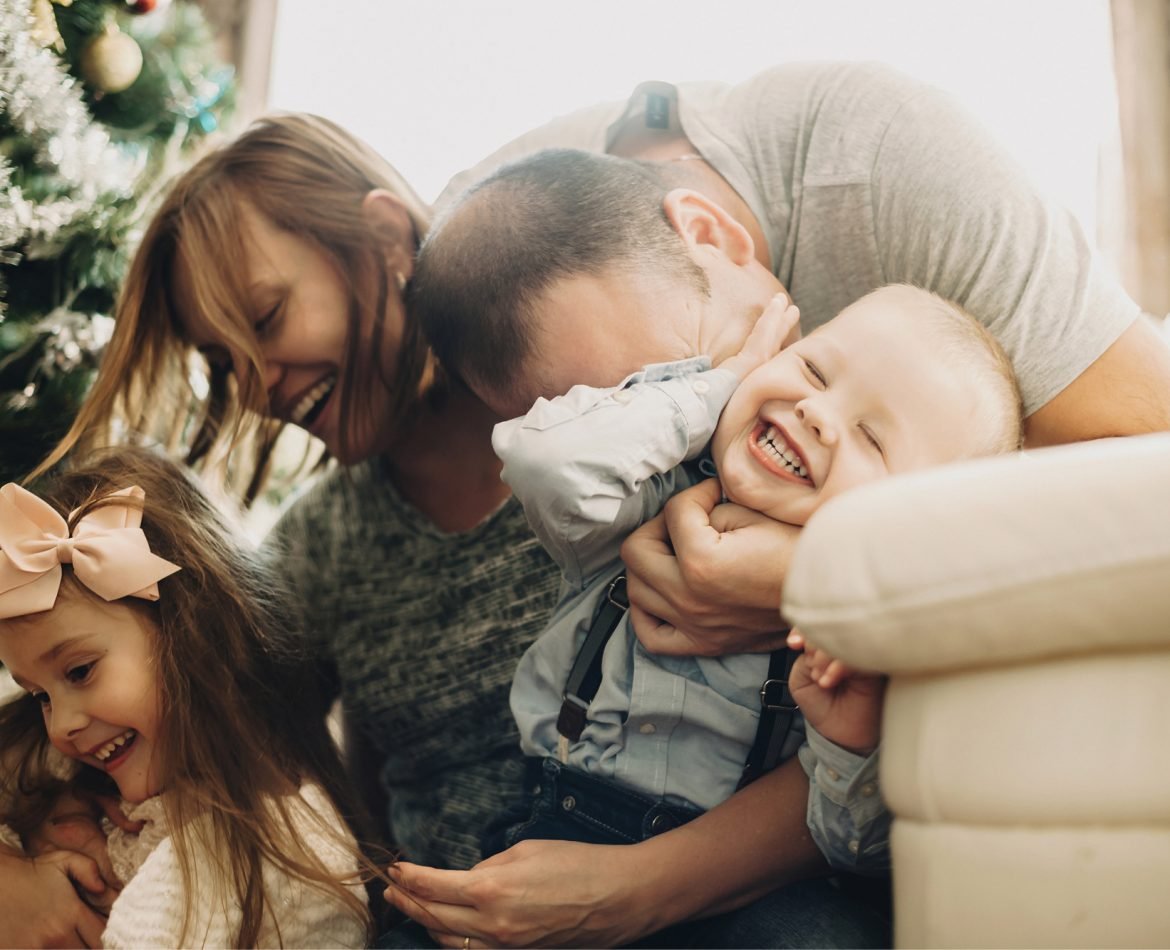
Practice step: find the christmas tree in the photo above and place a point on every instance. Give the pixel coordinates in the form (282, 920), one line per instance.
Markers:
(101, 102)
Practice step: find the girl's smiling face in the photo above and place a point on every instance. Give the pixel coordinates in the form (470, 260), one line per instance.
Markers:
(91, 666)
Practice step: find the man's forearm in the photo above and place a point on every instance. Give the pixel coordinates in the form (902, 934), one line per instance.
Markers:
(751, 844)
(1126, 391)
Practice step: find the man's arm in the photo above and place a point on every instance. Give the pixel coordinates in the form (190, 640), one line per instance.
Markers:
(558, 893)
(1126, 391)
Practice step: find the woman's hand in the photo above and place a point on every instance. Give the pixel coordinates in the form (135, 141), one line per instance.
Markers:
(537, 893)
(73, 826)
(39, 903)
(561, 893)
(704, 577)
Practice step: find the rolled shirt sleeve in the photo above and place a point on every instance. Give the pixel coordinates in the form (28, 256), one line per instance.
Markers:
(846, 815)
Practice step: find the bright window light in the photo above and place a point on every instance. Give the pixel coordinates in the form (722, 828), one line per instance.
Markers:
(436, 86)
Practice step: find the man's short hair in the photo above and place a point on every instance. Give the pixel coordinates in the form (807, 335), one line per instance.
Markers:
(557, 214)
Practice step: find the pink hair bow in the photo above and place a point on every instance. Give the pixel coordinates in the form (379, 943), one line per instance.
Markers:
(109, 553)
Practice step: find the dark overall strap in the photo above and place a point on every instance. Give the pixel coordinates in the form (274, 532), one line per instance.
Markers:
(585, 676)
(777, 714)
(777, 709)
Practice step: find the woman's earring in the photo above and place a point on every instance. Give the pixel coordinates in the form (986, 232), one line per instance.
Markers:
(401, 278)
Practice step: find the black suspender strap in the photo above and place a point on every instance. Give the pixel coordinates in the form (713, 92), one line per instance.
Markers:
(777, 708)
(777, 714)
(585, 676)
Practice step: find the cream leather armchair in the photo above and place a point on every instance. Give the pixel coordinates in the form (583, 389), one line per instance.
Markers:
(1021, 606)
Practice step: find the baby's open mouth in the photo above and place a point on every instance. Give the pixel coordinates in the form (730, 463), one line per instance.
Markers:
(772, 444)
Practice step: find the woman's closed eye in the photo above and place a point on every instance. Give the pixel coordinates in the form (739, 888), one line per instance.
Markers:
(266, 323)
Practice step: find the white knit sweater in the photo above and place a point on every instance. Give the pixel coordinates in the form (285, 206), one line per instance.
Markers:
(149, 911)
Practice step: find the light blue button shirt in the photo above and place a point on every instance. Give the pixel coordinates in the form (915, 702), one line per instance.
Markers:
(589, 467)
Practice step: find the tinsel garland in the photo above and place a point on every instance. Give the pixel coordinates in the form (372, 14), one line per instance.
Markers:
(41, 101)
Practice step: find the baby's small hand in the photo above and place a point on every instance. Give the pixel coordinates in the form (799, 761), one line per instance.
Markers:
(777, 327)
(824, 670)
(843, 705)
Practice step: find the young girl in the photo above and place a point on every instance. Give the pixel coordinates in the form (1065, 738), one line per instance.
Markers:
(151, 649)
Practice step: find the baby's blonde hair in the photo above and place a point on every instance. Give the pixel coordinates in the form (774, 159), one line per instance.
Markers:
(963, 343)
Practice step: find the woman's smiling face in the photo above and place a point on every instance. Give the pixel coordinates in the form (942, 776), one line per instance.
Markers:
(91, 666)
(860, 398)
(299, 306)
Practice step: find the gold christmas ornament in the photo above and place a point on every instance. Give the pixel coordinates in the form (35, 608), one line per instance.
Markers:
(112, 60)
(44, 26)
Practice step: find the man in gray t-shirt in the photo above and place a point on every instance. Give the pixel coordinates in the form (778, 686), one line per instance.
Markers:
(847, 177)
(855, 176)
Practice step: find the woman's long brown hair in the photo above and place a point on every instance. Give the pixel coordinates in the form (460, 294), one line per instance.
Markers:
(307, 176)
(240, 731)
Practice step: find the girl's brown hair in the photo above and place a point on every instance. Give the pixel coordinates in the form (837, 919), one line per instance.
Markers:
(240, 731)
(306, 176)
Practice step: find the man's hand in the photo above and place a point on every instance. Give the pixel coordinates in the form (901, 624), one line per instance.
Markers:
(39, 903)
(842, 705)
(704, 577)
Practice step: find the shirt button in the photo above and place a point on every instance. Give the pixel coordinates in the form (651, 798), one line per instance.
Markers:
(868, 789)
(833, 774)
(623, 395)
(854, 847)
(701, 386)
(648, 729)
(568, 803)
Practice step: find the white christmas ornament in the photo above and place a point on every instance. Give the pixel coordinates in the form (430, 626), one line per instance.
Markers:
(112, 61)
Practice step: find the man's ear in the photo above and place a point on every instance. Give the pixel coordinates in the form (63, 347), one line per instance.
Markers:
(700, 221)
(390, 225)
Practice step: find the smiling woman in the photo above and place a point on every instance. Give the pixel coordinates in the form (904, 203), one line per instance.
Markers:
(316, 236)
(302, 340)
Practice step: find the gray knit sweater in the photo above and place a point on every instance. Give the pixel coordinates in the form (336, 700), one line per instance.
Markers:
(424, 629)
